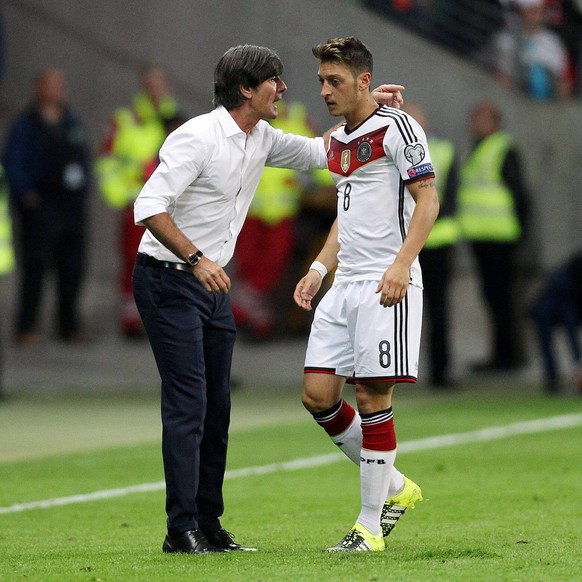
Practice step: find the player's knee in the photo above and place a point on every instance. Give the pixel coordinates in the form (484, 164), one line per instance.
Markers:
(308, 402)
(314, 402)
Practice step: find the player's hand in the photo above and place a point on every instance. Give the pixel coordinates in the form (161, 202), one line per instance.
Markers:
(306, 290)
(389, 94)
(393, 285)
(212, 276)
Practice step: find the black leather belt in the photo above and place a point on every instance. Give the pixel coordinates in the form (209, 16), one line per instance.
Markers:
(147, 261)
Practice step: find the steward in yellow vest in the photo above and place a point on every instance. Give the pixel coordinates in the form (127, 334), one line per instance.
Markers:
(6, 249)
(279, 192)
(269, 232)
(436, 256)
(487, 205)
(445, 231)
(493, 205)
(436, 261)
(136, 137)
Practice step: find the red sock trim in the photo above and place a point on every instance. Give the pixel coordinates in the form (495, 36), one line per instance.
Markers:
(379, 436)
(339, 421)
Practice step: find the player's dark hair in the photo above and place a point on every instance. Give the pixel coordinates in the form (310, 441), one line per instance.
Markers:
(245, 66)
(350, 51)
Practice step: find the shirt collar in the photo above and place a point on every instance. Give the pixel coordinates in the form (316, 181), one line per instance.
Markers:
(228, 124)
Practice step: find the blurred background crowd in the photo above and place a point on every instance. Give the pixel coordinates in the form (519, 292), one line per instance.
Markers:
(495, 83)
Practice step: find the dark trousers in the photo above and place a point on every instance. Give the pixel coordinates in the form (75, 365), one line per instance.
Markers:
(192, 333)
(49, 242)
(551, 311)
(436, 273)
(498, 280)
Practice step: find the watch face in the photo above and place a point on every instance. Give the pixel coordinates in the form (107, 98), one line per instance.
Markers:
(194, 259)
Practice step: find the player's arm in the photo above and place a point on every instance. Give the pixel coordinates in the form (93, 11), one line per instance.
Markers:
(394, 283)
(209, 273)
(325, 261)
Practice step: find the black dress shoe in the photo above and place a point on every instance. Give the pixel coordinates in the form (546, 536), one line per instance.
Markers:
(189, 542)
(224, 541)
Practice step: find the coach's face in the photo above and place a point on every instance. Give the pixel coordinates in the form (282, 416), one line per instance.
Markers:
(339, 88)
(263, 99)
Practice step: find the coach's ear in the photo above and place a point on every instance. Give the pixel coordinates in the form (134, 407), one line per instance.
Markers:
(246, 92)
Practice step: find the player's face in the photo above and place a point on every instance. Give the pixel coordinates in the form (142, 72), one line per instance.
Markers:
(265, 97)
(338, 88)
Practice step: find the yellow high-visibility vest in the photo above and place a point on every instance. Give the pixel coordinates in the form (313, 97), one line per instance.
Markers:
(139, 136)
(279, 192)
(486, 205)
(445, 230)
(6, 248)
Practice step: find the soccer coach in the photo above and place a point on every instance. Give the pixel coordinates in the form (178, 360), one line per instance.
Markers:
(193, 207)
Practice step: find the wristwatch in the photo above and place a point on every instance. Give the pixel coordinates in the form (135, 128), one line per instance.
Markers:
(194, 259)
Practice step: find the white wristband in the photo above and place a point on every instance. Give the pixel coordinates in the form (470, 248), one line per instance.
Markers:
(319, 267)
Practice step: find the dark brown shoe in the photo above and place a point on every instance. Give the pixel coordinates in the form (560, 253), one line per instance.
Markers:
(189, 542)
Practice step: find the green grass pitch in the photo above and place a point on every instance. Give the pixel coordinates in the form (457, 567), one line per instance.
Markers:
(507, 509)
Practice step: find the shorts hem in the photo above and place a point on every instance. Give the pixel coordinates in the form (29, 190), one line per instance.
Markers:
(373, 379)
(319, 370)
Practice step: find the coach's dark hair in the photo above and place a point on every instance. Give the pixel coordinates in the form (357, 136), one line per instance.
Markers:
(243, 66)
(350, 51)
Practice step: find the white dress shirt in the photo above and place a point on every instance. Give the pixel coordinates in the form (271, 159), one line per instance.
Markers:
(208, 173)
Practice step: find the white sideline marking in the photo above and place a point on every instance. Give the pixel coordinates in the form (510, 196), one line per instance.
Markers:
(482, 435)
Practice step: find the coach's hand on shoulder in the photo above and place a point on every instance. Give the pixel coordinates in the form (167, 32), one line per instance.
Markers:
(212, 276)
(389, 94)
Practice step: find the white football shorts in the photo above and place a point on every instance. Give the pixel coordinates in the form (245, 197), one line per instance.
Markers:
(352, 335)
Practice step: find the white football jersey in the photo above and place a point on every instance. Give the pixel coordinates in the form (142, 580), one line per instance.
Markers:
(371, 165)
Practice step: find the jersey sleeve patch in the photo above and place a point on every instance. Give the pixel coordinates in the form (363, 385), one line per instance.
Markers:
(415, 153)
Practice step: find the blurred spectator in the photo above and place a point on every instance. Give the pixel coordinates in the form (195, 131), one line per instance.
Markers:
(436, 257)
(531, 56)
(6, 255)
(565, 17)
(401, 11)
(492, 207)
(463, 26)
(46, 159)
(2, 43)
(135, 136)
(559, 305)
(269, 232)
